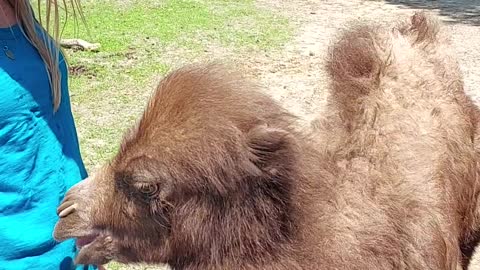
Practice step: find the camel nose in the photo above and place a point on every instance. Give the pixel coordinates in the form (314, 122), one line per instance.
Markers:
(66, 208)
(70, 203)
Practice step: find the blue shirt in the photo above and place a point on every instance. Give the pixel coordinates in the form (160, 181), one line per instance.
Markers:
(39, 159)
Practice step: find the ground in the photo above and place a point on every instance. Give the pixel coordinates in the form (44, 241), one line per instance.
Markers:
(289, 62)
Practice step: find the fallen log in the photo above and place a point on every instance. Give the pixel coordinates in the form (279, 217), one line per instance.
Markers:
(80, 44)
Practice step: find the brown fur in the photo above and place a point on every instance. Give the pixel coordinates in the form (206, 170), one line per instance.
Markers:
(217, 176)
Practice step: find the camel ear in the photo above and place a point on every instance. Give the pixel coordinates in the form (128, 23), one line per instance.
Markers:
(270, 148)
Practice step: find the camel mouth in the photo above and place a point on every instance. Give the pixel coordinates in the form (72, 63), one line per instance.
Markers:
(94, 248)
(84, 241)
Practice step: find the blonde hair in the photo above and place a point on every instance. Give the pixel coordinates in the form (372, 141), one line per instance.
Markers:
(48, 50)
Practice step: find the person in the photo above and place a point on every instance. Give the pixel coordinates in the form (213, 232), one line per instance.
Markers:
(39, 150)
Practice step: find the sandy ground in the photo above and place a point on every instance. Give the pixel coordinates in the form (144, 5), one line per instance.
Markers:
(295, 74)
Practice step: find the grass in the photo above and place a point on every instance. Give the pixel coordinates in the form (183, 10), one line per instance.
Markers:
(143, 39)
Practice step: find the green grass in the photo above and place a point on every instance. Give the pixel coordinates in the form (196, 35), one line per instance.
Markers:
(140, 40)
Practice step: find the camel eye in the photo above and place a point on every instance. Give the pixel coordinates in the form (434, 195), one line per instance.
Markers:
(148, 190)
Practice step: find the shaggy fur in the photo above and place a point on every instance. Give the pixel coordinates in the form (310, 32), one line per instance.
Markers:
(216, 175)
(404, 125)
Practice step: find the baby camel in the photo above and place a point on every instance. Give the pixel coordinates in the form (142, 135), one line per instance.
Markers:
(216, 175)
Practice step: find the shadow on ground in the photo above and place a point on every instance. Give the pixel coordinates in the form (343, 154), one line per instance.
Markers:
(453, 11)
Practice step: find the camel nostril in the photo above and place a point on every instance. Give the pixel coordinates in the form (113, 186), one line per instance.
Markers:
(66, 209)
